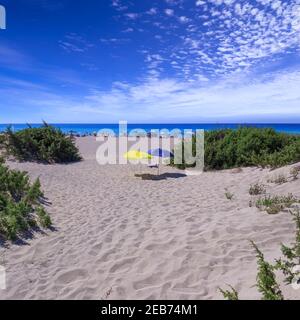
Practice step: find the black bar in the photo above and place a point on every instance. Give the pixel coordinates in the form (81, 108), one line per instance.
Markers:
(96, 310)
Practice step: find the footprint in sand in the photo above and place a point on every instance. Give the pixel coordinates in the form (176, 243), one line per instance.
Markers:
(71, 276)
(122, 265)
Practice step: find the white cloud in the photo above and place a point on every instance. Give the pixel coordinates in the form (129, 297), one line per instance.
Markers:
(200, 2)
(132, 15)
(246, 34)
(115, 40)
(118, 6)
(169, 100)
(174, 2)
(128, 30)
(166, 99)
(238, 9)
(228, 34)
(211, 55)
(229, 2)
(152, 11)
(75, 43)
(184, 19)
(169, 12)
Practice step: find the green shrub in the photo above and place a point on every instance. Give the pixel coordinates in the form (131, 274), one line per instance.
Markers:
(44, 218)
(291, 255)
(45, 144)
(295, 171)
(276, 204)
(228, 195)
(257, 189)
(231, 294)
(247, 146)
(20, 208)
(280, 179)
(266, 281)
(2, 140)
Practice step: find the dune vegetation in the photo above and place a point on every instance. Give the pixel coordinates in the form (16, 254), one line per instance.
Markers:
(21, 206)
(45, 144)
(21, 201)
(266, 280)
(247, 146)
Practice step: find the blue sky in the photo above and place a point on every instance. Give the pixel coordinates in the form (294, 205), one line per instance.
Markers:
(150, 61)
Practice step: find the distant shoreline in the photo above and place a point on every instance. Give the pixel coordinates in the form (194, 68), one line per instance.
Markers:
(92, 129)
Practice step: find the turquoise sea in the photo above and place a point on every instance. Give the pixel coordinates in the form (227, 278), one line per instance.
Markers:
(86, 129)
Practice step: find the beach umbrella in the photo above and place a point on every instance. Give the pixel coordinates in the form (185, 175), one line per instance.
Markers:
(137, 155)
(160, 153)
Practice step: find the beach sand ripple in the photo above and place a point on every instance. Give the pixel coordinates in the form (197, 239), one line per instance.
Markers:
(177, 238)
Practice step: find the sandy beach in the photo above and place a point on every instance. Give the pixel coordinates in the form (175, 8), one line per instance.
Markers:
(120, 237)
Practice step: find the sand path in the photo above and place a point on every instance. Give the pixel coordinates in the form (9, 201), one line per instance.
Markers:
(178, 238)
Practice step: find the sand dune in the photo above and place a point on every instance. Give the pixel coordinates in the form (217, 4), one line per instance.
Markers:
(176, 238)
